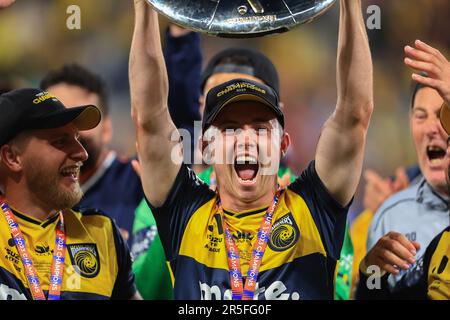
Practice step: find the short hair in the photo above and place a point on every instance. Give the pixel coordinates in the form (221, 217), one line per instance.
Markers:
(74, 74)
(239, 60)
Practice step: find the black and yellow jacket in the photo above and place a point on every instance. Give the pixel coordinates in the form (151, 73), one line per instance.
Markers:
(302, 252)
(97, 261)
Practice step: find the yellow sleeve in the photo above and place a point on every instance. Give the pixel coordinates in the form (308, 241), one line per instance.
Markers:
(359, 231)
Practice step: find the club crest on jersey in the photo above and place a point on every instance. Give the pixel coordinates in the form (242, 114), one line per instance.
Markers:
(284, 234)
(85, 259)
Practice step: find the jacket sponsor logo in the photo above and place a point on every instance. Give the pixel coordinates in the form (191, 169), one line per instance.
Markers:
(43, 249)
(85, 259)
(277, 290)
(285, 233)
(214, 237)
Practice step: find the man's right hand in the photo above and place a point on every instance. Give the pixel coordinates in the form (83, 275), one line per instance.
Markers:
(391, 253)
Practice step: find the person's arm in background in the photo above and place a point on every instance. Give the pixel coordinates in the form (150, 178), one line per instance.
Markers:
(183, 56)
(378, 189)
(345, 131)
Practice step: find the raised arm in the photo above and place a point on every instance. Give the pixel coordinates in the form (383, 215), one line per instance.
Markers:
(149, 92)
(340, 150)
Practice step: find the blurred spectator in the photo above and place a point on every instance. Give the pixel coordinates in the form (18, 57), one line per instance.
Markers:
(428, 278)
(410, 219)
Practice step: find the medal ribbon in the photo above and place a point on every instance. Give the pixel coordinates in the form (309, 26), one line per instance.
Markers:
(57, 268)
(239, 291)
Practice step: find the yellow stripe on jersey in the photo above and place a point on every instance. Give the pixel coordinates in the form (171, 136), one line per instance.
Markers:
(172, 278)
(294, 234)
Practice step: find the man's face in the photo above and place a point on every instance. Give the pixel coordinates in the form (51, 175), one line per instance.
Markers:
(95, 141)
(219, 78)
(429, 137)
(247, 153)
(51, 161)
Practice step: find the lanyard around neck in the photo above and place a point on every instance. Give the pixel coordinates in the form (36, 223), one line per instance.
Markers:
(57, 268)
(240, 291)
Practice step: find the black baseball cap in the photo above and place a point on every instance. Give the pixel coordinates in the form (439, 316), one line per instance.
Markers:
(239, 90)
(27, 109)
(256, 64)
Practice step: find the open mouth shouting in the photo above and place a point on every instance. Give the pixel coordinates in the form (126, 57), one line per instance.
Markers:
(246, 168)
(435, 155)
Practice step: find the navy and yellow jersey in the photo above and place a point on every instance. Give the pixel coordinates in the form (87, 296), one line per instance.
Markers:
(428, 279)
(97, 261)
(301, 256)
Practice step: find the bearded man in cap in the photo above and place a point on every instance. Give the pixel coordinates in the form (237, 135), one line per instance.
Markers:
(48, 250)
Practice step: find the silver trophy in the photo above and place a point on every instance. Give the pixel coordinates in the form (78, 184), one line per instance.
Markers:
(241, 18)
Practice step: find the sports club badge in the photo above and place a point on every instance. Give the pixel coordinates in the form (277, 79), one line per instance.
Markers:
(85, 259)
(284, 234)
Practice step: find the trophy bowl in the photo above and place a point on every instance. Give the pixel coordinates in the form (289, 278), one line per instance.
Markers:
(241, 18)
